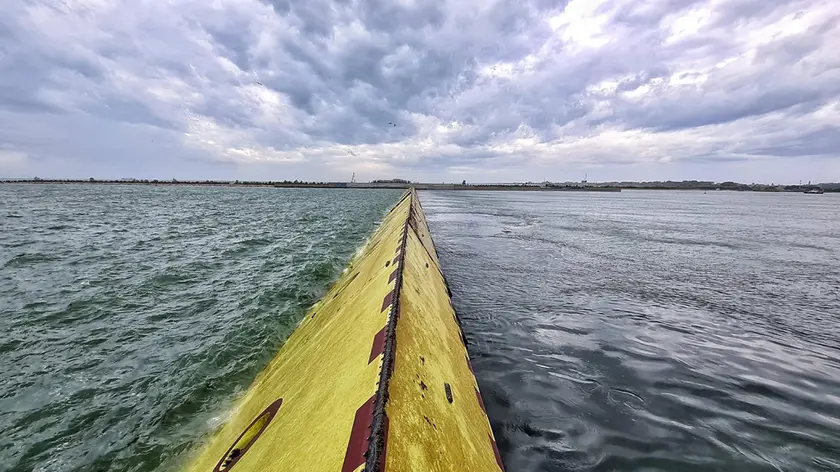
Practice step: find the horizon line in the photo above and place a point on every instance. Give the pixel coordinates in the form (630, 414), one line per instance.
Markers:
(129, 180)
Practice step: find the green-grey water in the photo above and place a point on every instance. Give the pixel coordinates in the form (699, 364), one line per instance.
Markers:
(132, 317)
(636, 331)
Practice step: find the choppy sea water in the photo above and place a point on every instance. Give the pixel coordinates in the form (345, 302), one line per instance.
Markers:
(131, 317)
(641, 331)
(650, 331)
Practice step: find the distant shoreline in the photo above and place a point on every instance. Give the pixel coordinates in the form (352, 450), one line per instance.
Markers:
(336, 185)
(582, 187)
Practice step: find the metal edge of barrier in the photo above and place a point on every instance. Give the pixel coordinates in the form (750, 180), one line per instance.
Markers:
(375, 455)
(323, 416)
(481, 436)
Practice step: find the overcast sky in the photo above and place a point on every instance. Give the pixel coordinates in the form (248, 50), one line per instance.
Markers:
(482, 90)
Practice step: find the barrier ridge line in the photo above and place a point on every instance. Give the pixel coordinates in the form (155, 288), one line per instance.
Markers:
(375, 461)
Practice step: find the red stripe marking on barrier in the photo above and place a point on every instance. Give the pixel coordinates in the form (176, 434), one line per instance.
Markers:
(496, 453)
(378, 345)
(480, 401)
(386, 302)
(393, 276)
(357, 446)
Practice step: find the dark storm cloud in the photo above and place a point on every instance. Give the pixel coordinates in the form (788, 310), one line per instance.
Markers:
(232, 44)
(469, 85)
(715, 110)
(816, 143)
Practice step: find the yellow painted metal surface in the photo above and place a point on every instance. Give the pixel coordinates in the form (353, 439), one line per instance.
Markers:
(322, 372)
(436, 416)
(325, 404)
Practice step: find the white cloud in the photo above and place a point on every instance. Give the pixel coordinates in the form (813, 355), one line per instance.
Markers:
(582, 25)
(473, 86)
(12, 161)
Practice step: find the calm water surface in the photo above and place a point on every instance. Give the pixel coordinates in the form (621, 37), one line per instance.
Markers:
(650, 331)
(131, 317)
(640, 331)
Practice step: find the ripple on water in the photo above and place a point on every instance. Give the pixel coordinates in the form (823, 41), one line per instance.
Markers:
(134, 316)
(649, 333)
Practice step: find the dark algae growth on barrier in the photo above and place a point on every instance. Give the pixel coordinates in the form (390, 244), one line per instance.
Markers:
(132, 317)
(648, 331)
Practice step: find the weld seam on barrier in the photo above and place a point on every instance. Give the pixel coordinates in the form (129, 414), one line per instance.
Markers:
(375, 461)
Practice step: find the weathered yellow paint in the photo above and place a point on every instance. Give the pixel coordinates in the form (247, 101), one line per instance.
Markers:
(324, 396)
(426, 431)
(321, 372)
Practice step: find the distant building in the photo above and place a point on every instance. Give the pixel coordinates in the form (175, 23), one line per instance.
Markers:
(392, 181)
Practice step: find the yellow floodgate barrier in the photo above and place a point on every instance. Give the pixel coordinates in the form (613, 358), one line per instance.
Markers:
(375, 378)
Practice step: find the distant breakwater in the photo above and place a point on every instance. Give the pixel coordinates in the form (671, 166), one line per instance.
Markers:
(531, 187)
(357, 185)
